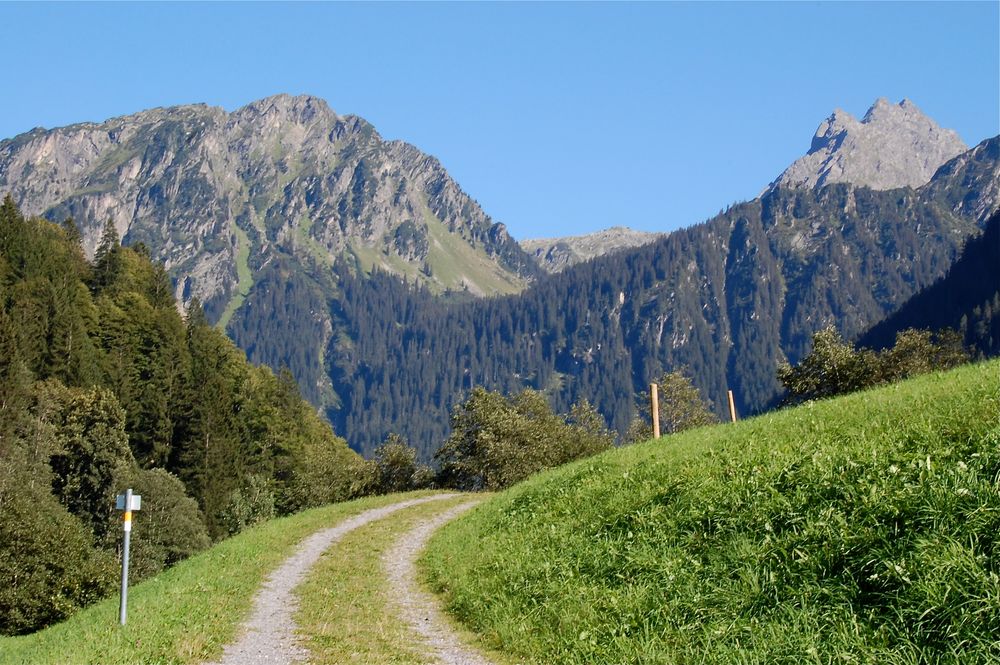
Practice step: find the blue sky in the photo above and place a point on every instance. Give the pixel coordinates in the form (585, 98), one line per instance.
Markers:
(558, 118)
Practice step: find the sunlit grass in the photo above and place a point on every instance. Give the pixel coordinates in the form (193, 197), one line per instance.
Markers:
(864, 529)
(346, 613)
(186, 614)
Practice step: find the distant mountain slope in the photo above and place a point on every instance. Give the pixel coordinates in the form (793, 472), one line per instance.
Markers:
(969, 184)
(894, 145)
(557, 254)
(213, 194)
(967, 298)
(325, 248)
(727, 299)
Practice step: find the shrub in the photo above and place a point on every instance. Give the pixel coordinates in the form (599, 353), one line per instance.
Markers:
(47, 563)
(248, 505)
(497, 441)
(394, 468)
(680, 405)
(835, 367)
(168, 528)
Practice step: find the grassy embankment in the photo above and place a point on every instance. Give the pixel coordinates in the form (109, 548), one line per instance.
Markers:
(187, 613)
(346, 614)
(864, 529)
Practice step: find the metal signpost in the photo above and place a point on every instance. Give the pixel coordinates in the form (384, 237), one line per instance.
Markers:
(127, 502)
(654, 407)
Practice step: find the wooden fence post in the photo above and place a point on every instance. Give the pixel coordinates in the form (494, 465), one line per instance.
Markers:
(732, 407)
(655, 407)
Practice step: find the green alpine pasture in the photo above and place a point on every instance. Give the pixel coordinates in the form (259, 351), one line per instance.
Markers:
(862, 529)
(187, 613)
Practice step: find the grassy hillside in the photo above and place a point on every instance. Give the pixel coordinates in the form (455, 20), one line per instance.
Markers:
(856, 530)
(186, 614)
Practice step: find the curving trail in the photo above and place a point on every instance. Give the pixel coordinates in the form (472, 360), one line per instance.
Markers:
(268, 636)
(418, 608)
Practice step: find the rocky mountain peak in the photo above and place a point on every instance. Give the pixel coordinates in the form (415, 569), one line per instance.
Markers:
(298, 109)
(893, 145)
(219, 196)
(556, 254)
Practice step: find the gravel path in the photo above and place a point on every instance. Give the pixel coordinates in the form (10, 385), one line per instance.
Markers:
(268, 636)
(418, 608)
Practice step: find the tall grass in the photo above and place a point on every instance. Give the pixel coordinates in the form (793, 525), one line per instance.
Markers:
(864, 529)
(187, 613)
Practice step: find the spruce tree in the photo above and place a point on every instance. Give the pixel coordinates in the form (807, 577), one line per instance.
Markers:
(107, 259)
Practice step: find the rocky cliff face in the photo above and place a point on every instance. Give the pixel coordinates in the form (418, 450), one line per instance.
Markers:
(213, 194)
(556, 254)
(894, 145)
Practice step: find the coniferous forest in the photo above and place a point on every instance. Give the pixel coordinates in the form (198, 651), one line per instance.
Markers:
(967, 299)
(725, 302)
(103, 386)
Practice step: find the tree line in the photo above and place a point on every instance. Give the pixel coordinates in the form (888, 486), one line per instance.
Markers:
(104, 385)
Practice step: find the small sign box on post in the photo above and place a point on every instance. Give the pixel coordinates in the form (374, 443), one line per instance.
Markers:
(136, 503)
(126, 502)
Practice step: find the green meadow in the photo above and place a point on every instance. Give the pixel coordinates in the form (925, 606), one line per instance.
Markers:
(862, 529)
(187, 613)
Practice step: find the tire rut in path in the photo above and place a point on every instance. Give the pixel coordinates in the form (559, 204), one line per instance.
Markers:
(418, 608)
(268, 635)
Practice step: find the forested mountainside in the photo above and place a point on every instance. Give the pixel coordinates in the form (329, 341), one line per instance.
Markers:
(216, 195)
(966, 299)
(102, 381)
(324, 249)
(728, 299)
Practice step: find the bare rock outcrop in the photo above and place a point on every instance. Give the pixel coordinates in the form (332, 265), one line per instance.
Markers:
(556, 254)
(894, 145)
(213, 194)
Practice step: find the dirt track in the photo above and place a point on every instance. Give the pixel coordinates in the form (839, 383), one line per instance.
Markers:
(268, 635)
(418, 608)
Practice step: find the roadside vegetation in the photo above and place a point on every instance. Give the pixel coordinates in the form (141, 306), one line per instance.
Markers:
(859, 529)
(836, 367)
(104, 386)
(187, 613)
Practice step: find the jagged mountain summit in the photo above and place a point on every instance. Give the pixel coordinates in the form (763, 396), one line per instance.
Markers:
(213, 194)
(556, 254)
(894, 145)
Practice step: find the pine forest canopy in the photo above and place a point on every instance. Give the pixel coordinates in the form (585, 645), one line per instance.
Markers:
(728, 300)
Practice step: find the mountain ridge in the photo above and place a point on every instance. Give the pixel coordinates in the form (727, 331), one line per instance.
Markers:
(279, 171)
(557, 254)
(893, 145)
